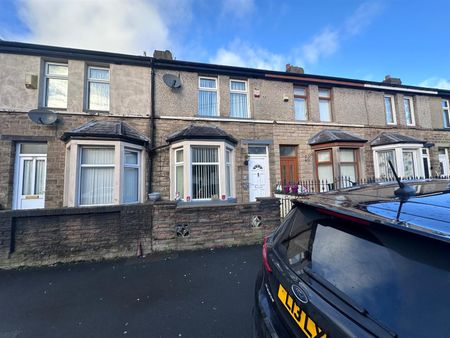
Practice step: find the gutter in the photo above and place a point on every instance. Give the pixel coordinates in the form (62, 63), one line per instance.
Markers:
(152, 127)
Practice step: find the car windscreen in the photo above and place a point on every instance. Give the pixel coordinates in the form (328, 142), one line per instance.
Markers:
(401, 279)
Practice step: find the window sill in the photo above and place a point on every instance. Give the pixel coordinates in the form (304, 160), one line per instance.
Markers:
(53, 108)
(96, 112)
(230, 200)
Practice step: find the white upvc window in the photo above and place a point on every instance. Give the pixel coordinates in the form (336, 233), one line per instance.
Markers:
(55, 86)
(408, 104)
(239, 104)
(325, 105)
(208, 99)
(103, 173)
(406, 159)
(389, 106)
(446, 113)
(98, 88)
(202, 171)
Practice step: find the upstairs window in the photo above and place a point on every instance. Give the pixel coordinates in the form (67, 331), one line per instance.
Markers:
(325, 105)
(239, 99)
(55, 95)
(98, 89)
(390, 109)
(446, 113)
(409, 111)
(300, 103)
(207, 97)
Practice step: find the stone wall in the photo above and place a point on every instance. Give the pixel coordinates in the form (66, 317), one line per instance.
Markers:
(49, 236)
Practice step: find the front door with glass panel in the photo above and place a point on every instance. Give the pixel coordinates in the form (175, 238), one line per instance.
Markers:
(258, 172)
(31, 168)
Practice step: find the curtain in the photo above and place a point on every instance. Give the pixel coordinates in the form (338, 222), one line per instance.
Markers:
(205, 172)
(388, 105)
(98, 96)
(27, 188)
(383, 165)
(207, 103)
(324, 108)
(408, 111)
(97, 176)
(179, 181)
(131, 185)
(408, 164)
(40, 177)
(238, 105)
(300, 108)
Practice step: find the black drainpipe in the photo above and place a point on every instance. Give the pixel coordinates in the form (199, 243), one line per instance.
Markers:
(152, 127)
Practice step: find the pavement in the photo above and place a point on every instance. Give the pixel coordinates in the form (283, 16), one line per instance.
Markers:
(205, 293)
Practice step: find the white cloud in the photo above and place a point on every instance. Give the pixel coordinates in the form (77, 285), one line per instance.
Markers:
(436, 82)
(322, 45)
(238, 9)
(112, 25)
(241, 54)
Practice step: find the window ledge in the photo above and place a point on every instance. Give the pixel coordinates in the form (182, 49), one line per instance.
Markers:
(210, 203)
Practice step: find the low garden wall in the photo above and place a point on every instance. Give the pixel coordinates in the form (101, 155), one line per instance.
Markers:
(49, 236)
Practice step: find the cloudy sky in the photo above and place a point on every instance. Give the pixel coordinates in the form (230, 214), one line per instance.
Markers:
(347, 38)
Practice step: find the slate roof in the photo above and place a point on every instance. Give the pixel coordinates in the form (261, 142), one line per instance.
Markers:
(107, 130)
(334, 135)
(392, 138)
(201, 132)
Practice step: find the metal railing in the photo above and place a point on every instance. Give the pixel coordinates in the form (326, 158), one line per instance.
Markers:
(290, 191)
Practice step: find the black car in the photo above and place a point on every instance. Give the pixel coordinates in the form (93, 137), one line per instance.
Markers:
(368, 261)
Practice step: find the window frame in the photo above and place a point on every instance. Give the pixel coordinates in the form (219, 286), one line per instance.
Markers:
(177, 165)
(328, 99)
(187, 146)
(410, 99)
(216, 90)
(393, 110)
(305, 98)
(58, 77)
(355, 163)
(445, 112)
(134, 166)
(398, 149)
(88, 92)
(246, 92)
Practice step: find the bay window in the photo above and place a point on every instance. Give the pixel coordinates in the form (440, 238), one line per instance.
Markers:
(202, 170)
(348, 166)
(207, 96)
(239, 99)
(102, 172)
(406, 159)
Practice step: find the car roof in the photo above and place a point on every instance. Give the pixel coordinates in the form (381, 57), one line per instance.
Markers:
(427, 213)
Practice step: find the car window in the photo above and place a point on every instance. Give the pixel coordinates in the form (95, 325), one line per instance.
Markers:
(402, 280)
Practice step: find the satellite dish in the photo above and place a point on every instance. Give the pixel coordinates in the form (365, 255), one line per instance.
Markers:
(172, 81)
(43, 116)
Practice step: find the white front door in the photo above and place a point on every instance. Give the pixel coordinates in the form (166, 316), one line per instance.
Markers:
(30, 176)
(258, 176)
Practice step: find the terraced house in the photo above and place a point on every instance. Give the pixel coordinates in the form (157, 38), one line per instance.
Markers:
(81, 128)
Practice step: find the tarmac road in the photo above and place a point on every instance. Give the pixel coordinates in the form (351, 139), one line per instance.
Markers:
(188, 294)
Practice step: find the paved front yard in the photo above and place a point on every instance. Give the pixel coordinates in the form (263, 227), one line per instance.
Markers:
(189, 294)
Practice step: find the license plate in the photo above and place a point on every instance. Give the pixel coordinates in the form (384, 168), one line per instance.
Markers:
(306, 324)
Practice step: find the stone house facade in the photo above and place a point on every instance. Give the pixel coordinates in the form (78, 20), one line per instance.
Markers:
(216, 134)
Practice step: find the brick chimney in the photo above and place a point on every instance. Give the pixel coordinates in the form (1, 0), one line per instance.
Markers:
(294, 69)
(163, 54)
(392, 80)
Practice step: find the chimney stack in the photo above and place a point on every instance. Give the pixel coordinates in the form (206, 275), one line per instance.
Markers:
(392, 80)
(163, 54)
(294, 69)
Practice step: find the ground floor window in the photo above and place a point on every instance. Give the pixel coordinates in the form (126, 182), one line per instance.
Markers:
(405, 158)
(444, 169)
(103, 173)
(202, 171)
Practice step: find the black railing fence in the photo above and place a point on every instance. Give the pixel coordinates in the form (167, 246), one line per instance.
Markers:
(304, 187)
(287, 192)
